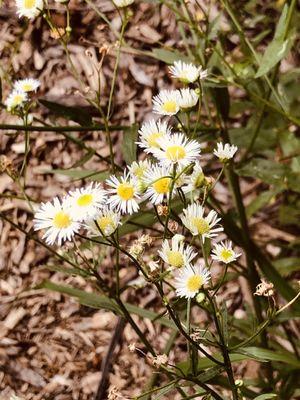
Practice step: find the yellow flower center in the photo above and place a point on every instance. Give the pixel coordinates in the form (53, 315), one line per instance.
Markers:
(162, 185)
(84, 200)
(27, 87)
(105, 222)
(175, 259)
(29, 3)
(201, 225)
(194, 283)
(139, 172)
(125, 191)
(61, 220)
(175, 152)
(152, 139)
(170, 106)
(17, 99)
(226, 254)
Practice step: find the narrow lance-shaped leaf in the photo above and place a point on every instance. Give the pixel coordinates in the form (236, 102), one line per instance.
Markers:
(103, 302)
(278, 48)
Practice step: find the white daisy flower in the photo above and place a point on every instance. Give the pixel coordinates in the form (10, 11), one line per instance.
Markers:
(195, 180)
(190, 279)
(27, 85)
(15, 99)
(177, 255)
(187, 73)
(29, 8)
(188, 99)
(158, 183)
(138, 169)
(166, 102)
(122, 3)
(177, 149)
(150, 132)
(223, 252)
(225, 151)
(105, 223)
(56, 219)
(84, 203)
(124, 193)
(194, 220)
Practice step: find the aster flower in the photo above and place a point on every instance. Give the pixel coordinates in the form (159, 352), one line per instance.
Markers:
(225, 151)
(166, 102)
(177, 149)
(55, 218)
(158, 182)
(138, 169)
(188, 99)
(84, 203)
(122, 3)
(187, 73)
(15, 99)
(177, 255)
(124, 193)
(194, 220)
(223, 252)
(190, 279)
(29, 8)
(195, 180)
(150, 132)
(105, 223)
(27, 85)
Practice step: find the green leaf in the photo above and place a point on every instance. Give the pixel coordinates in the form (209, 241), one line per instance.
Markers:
(266, 396)
(168, 56)
(75, 114)
(129, 145)
(77, 174)
(271, 172)
(266, 170)
(277, 49)
(260, 201)
(269, 355)
(209, 374)
(287, 265)
(94, 300)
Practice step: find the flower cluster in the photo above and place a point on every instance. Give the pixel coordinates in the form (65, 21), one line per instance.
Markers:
(19, 94)
(170, 170)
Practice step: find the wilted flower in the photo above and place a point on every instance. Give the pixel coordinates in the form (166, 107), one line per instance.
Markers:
(265, 289)
(159, 360)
